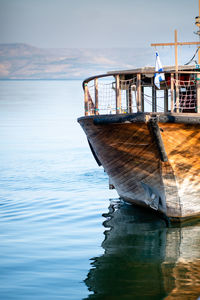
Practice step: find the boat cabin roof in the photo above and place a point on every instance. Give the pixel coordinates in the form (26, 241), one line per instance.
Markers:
(148, 72)
(151, 70)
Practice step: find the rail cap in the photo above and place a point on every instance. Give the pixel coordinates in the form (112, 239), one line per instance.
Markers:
(151, 70)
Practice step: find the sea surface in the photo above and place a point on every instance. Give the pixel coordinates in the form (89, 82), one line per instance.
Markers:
(63, 233)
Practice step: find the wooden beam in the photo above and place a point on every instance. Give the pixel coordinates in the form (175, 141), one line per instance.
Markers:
(86, 99)
(199, 7)
(138, 99)
(176, 49)
(188, 72)
(178, 43)
(96, 112)
(166, 108)
(177, 92)
(118, 95)
(176, 66)
(177, 97)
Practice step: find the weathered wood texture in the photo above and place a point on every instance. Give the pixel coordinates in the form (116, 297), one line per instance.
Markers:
(182, 145)
(131, 158)
(96, 92)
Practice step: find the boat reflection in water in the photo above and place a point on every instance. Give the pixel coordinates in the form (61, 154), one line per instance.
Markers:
(144, 258)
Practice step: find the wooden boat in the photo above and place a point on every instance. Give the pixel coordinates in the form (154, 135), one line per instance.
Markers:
(148, 139)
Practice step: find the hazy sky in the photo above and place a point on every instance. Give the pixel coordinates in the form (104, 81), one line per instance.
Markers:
(92, 23)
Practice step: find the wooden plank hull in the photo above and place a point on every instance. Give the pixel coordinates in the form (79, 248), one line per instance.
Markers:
(157, 170)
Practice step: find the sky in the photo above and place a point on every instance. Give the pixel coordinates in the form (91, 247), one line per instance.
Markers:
(96, 24)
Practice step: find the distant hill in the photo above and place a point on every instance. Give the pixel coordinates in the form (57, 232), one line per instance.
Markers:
(22, 61)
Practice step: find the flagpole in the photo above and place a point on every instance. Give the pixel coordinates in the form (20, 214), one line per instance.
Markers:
(176, 49)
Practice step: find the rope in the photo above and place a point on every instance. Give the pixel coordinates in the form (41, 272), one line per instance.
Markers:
(128, 96)
(193, 58)
(187, 94)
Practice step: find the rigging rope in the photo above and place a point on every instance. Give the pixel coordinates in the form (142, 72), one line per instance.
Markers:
(193, 58)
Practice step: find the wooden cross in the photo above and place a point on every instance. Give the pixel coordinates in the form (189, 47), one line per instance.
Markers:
(176, 44)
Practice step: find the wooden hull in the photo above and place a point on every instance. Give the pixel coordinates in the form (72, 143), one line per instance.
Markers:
(150, 163)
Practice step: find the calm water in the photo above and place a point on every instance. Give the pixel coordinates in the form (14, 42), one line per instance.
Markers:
(63, 234)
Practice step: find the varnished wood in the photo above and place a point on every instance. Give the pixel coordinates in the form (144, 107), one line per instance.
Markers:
(176, 65)
(86, 99)
(139, 94)
(176, 49)
(152, 159)
(156, 136)
(178, 43)
(177, 93)
(96, 96)
(148, 71)
(199, 7)
(131, 158)
(182, 145)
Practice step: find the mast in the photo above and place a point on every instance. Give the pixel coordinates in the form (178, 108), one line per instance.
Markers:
(176, 44)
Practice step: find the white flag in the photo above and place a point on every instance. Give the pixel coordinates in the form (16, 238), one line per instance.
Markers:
(158, 76)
